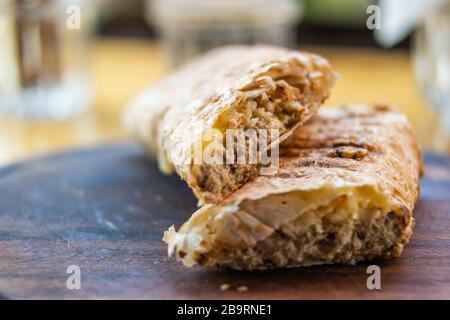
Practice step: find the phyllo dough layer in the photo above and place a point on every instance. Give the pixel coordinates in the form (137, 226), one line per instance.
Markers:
(239, 87)
(345, 192)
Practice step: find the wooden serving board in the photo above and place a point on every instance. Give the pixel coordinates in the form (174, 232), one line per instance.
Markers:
(105, 210)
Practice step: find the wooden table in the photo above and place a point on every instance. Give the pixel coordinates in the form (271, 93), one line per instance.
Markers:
(104, 210)
(122, 67)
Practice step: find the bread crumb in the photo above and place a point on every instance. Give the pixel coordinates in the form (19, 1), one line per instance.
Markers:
(224, 286)
(158, 198)
(169, 238)
(242, 289)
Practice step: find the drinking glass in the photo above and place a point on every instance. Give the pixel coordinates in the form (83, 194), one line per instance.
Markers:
(44, 57)
(432, 60)
(188, 28)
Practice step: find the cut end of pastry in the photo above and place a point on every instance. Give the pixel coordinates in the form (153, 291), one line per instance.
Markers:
(234, 87)
(282, 98)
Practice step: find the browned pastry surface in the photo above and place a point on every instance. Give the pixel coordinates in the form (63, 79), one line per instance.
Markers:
(345, 192)
(237, 87)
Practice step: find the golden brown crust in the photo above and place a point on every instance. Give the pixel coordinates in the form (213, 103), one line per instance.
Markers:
(347, 186)
(356, 144)
(191, 101)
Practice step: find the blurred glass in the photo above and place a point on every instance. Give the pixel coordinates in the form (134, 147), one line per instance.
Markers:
(432, 59)
(44, 55)
(188, 28)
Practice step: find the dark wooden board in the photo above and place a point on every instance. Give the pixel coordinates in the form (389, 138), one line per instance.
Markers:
(105, 210)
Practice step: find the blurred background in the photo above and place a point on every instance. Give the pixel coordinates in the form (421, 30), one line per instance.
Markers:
(68, 68)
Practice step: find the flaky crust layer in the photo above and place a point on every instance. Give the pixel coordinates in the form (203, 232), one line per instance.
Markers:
(171, 116)
(358, 152)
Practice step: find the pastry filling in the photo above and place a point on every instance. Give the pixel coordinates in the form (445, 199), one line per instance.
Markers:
(325, 241)
(275, 101)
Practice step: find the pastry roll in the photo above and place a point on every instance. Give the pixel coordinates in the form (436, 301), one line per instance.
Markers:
(345, 192)
(238, 88)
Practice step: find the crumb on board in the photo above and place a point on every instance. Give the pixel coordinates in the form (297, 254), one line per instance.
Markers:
(158, 198)
(224, 286)
(168, 238)
(242, 289)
